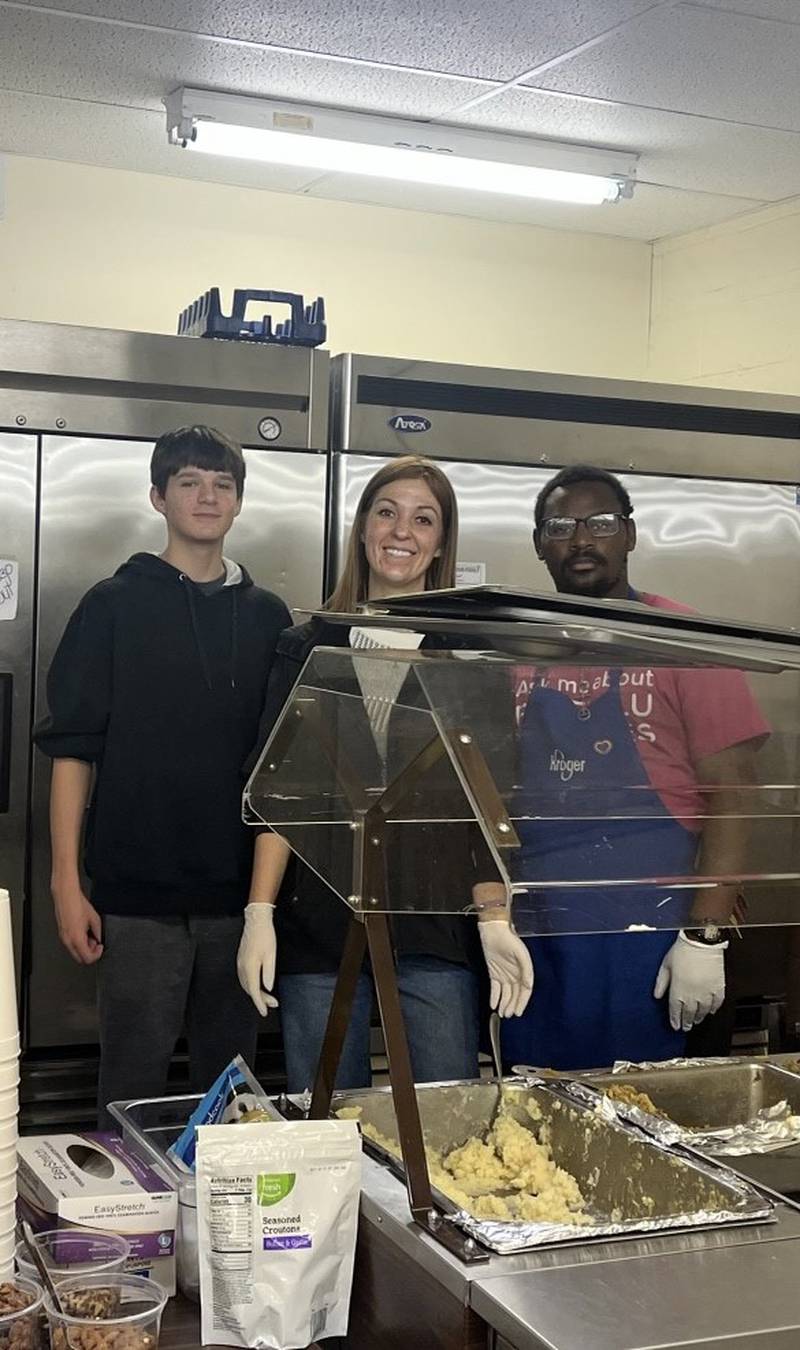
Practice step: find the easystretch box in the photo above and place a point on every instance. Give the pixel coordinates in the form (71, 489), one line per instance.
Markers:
(92, 1181)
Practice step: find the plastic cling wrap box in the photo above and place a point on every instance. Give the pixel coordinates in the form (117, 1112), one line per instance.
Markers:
(91, 1181)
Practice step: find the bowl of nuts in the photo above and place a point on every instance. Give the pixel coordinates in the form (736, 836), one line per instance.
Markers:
(74, 1251)
(105, 1312)
(20, 1314)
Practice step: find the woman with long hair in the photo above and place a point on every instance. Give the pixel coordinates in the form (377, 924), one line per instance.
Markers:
(428, 563)
(403, 540)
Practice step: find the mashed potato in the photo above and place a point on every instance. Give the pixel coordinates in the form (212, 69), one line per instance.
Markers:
(506, 1175)
(623, 1092)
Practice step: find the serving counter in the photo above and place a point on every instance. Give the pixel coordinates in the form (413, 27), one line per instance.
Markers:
(730, 1290)
(664, 1289)
(698, 1289)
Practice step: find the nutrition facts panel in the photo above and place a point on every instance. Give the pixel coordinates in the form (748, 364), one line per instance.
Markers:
(231, 1222)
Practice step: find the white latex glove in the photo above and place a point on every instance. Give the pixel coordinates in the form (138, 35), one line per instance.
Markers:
(255, 961)
(510, 968)
(694, 973)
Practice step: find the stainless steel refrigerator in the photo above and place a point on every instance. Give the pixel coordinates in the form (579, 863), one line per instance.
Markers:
(713, 476)
(79, 411)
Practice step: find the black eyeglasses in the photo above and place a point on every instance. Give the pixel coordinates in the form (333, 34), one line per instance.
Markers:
(600, 526)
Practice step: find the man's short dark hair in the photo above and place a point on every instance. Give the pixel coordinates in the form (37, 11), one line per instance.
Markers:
(204, 447)
(581, 473)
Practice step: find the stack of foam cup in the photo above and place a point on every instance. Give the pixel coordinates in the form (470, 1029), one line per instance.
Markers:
(9, 1090)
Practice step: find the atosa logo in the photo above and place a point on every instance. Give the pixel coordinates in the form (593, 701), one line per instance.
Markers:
(413, 422)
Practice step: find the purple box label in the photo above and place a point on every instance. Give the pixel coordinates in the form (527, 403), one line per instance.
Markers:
(283, 1244)
(149, 1180)
(68, 1248)
(151, 1244)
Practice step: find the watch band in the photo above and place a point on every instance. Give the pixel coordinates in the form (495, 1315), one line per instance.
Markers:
(710, 934)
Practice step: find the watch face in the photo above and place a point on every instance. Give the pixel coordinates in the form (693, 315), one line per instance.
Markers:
(269, 428)
(711, 934)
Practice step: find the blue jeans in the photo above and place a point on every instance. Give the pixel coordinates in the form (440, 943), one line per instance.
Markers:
(440, 1009)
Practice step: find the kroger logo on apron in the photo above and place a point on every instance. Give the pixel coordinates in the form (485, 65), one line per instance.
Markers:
(565, 768)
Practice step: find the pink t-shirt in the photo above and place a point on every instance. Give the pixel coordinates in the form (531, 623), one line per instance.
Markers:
(676, 717)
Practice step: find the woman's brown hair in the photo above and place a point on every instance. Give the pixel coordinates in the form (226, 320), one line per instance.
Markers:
(352, 586)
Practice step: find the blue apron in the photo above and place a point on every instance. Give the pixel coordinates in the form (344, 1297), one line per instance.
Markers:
(592, 999)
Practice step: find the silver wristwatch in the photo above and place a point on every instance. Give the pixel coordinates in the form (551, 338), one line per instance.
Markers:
(710, 933)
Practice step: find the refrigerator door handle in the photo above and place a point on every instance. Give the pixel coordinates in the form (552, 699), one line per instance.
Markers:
(6, 692)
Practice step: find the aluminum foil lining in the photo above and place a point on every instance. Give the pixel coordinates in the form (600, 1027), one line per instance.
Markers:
(649, 1066)
(619, 1166)
(774, 1125)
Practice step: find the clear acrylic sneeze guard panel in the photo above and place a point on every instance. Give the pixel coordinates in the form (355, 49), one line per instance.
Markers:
(354, 724)
(595, 798)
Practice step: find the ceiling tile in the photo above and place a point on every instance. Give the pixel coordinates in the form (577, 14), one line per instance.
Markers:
(697, 60)
(459, 36)
(44, 54)
(784, 11)
(677, 150)
(652, 213)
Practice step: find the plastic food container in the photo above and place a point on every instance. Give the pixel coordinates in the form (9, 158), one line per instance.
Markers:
(148, 1129)
(104, 1312)
(20, 1325)
(75, 1251)
(149, 1126)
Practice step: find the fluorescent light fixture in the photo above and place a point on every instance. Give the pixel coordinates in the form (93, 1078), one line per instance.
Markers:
(324, 140)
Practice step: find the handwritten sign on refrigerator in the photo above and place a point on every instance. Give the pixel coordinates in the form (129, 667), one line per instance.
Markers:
(9, 588)
(470, 573)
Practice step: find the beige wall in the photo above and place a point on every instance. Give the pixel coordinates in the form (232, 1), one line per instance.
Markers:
(124, 250)
(116, 249)
(726, 304)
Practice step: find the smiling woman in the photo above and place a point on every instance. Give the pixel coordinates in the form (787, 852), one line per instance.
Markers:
(403, 539)
(401, 536)
(404, 535)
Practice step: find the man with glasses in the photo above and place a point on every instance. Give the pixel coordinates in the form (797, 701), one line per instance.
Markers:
(645, 746)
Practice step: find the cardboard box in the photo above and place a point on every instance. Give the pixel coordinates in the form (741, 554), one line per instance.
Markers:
(92, 1181)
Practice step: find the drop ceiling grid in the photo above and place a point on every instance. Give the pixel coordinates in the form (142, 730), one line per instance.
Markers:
(485, 40)
(46, 54)
(469, 66)
(695, 59)
(679, 150)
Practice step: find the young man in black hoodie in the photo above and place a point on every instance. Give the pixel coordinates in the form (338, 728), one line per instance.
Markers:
(156, 691)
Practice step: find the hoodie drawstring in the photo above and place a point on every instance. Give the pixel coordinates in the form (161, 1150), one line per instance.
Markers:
(189, 592)
(234, 652)
(234, 635)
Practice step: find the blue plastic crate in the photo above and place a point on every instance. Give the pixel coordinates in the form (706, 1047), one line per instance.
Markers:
(305, 326)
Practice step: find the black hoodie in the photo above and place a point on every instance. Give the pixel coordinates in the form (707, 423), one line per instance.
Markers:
(161, 687)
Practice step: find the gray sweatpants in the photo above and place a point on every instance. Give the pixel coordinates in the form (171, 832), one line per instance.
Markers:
(155, 977)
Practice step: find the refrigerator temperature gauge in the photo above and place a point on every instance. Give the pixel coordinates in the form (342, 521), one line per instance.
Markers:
(269, 428)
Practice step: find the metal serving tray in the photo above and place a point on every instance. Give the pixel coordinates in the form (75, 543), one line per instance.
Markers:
(149, 1126)
(728, 1107)
(632, 1182)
